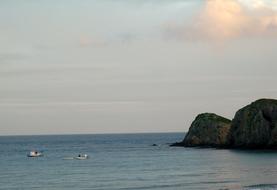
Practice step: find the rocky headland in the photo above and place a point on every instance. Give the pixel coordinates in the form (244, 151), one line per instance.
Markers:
(253, 127)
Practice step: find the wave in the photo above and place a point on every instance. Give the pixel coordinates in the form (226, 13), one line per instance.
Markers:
(261, 187)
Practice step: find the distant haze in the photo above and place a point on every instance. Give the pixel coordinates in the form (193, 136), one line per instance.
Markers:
(124, 66)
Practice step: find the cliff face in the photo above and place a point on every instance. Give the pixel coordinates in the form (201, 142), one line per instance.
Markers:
(207, 129)
(255, 126)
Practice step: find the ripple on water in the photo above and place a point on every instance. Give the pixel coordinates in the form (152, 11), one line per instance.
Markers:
(261, 187)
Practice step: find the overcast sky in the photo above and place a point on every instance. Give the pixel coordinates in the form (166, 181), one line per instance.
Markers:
(122, 66)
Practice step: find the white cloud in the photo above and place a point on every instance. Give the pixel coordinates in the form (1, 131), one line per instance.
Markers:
(224, 19)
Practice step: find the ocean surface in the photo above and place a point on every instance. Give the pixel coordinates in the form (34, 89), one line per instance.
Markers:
(130, 162)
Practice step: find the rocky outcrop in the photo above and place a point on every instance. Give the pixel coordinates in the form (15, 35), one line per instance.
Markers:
(209, 130)
(253, 127)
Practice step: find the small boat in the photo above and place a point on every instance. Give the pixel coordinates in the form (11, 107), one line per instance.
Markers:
(35, 153)
(82, 157)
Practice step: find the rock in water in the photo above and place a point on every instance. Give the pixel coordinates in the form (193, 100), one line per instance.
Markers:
(255, 126)
(208, 130)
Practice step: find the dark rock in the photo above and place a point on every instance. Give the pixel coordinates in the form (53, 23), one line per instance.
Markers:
(255, 126)
(154, 145)
(207, 130)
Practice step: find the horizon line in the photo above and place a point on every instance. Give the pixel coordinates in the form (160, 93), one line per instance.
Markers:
(71, 134)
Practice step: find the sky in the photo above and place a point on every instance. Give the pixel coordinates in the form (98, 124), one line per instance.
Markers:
(131, 66)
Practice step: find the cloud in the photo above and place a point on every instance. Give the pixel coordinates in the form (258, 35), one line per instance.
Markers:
(101, 41)
(86, 41)
(228, 19)
(13, 56)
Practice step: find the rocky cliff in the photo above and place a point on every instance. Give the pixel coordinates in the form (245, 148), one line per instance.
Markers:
(254, 126)
(208, 130)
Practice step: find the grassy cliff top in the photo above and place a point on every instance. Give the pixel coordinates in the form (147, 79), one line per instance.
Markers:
(212, 116)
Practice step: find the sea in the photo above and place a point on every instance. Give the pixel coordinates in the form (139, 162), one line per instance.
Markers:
(130, 162)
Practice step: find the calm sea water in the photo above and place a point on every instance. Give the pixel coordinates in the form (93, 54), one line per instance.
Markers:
(128, 161)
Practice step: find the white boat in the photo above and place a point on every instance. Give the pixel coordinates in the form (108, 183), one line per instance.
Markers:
(35, 153)
(82, 157)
